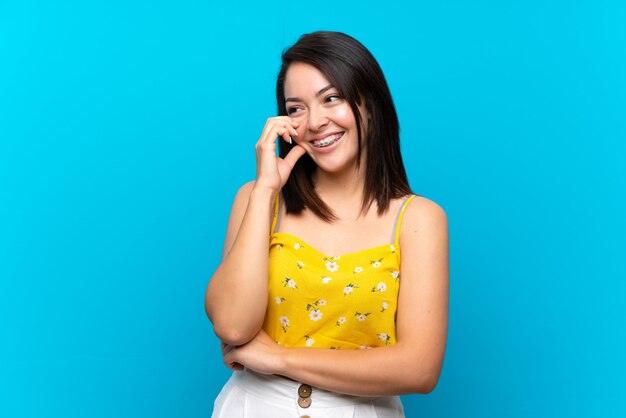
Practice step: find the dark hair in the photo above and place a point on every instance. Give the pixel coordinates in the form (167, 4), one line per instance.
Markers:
(354, 72)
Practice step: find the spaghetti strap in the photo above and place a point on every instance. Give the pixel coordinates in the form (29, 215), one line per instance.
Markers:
(395, 238)
(276, 218)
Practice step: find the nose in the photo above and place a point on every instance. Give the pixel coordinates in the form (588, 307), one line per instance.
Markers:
(318, 118)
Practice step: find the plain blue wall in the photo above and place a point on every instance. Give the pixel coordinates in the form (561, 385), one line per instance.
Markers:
(126, 128)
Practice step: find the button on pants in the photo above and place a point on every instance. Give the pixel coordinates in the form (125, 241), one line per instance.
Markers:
(252, 395)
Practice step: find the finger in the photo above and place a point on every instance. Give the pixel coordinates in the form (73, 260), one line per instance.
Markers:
(293, 130)
(234, 366)
(284, 121)
(227, 349)
(275, 127)
(283, 132)
(268, 126)
(268, 138)
(283, 127)
(293, 156)
(289, 120)
(286, 131)
(231, 362)
(272, 124)
(229, 365)
(293, 124)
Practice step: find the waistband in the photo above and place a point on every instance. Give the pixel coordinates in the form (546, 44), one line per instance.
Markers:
(283, 389)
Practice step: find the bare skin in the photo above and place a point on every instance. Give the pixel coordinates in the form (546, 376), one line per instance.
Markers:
(414, 363)
(237, 315)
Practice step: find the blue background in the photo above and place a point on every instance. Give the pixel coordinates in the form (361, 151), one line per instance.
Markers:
(127, 127)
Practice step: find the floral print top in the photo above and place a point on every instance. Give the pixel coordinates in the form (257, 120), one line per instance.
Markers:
(343, 301)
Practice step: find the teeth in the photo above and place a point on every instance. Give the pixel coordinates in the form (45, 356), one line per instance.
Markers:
(327, 141)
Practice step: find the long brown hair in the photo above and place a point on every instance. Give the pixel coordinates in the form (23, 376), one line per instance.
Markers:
(354, 72)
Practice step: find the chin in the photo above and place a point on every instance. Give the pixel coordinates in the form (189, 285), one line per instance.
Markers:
(335, 167)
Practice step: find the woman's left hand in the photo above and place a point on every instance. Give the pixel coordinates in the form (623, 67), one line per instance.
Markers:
(261, 354)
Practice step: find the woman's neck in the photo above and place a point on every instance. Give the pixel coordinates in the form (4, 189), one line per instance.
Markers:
(343, 192)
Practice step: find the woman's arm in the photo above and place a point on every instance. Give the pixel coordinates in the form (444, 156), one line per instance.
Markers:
(414, 363)
(236, 297)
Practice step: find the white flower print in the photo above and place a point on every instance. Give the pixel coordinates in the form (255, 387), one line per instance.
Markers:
(349, 288)
(315, 315)
(279, 246)
(309, 341)
(381, 287)
(384, 337)
(361, 316)
(395, 274)
(321, 302)
(392, 248)
(300, 264)
(364, 347)
(358, 269)
(285, 323)
(385, 306)
(325, 279)
(297, 246)
(340, 321)
(332, 266)
(376, 263)
(279, 300)
(289, 282)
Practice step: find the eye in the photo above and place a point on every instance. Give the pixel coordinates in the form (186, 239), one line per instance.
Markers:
(291, 110)
(333, 98)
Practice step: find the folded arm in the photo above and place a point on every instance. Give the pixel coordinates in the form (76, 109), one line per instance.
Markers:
(236, 297)
(414, 363)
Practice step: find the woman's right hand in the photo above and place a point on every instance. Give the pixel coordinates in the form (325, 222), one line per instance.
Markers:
(272, 171)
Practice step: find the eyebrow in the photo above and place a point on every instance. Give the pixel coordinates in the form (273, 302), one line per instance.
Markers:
(319, 93)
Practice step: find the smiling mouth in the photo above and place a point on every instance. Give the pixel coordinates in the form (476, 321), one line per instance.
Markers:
(328, 141)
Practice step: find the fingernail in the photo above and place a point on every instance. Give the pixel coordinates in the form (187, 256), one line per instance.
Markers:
(290, 139)
(296, 132)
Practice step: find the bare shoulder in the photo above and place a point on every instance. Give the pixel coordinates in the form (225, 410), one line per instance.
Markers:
(237, 212)
(244, 191)
(241, 202)
(424, 242)
(424, 228)
(423, 213)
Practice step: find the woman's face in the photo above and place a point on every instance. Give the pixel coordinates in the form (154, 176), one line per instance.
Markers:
(327, 130)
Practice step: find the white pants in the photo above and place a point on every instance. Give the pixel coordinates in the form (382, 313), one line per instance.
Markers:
(252, 395)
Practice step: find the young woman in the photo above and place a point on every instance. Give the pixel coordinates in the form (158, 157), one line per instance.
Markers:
(332, 295)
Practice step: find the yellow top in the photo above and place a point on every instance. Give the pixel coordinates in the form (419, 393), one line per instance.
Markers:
(340, 302)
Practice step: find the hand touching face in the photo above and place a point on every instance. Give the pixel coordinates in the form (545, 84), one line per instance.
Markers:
(327, 128)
